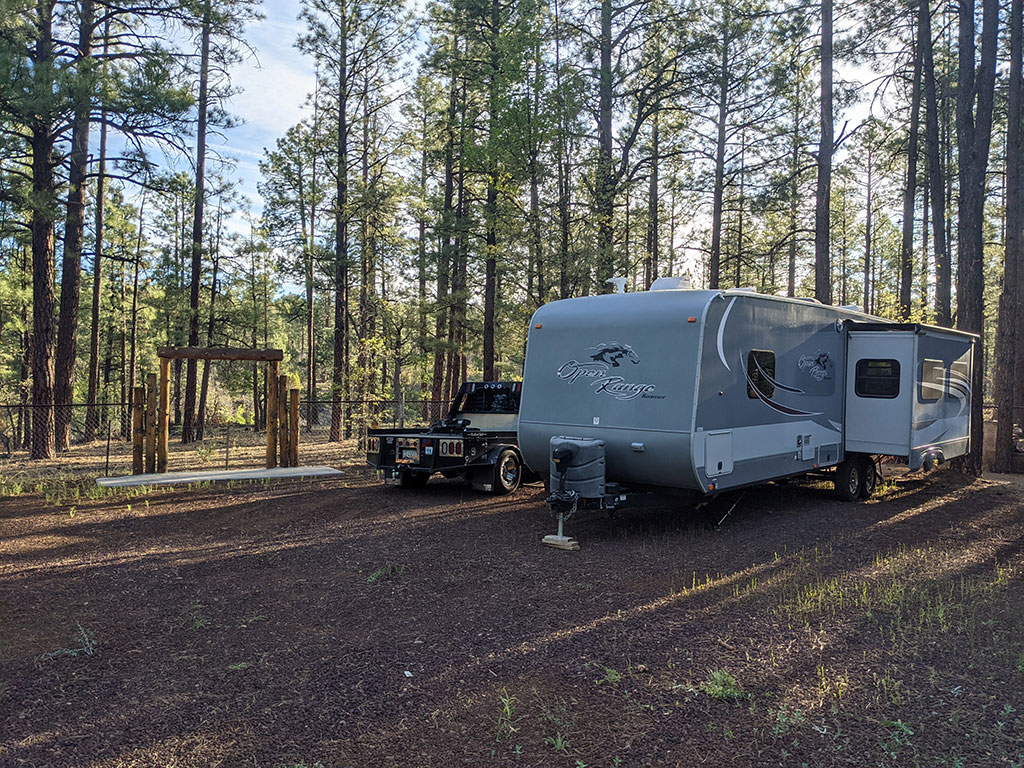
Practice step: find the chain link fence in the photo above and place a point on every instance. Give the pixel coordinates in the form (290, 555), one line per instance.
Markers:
(96, 437)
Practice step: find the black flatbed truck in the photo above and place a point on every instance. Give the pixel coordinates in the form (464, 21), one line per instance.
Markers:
(477, 440)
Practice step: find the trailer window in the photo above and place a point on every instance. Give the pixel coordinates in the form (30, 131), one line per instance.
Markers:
(760, 373)
(877, 378)
(958, 384)
(933, 380)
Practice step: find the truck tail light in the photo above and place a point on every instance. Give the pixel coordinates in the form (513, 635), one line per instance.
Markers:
(373, 445)
(451, 447)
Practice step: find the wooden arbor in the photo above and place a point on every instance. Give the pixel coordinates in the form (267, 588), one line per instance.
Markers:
(151, 409)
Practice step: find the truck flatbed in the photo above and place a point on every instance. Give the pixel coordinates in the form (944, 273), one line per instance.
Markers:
(477, 440)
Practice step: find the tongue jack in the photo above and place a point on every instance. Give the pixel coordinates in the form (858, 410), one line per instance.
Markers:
(562, 502)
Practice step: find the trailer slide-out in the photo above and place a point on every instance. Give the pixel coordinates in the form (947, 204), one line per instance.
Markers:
(707, 390)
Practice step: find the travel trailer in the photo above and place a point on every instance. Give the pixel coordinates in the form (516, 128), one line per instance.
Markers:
(703, 391)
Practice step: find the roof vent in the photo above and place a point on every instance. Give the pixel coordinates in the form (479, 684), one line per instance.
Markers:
(619, 283)
(672, 284)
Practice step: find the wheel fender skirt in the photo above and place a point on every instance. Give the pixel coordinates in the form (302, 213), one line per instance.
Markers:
(491, 456)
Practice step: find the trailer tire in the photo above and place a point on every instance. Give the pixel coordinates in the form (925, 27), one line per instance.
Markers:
(410, 479)
(508, 472)
(849, 479)
(870, 478)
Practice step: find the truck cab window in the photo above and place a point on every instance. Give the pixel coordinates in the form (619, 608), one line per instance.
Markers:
(933, 380)
(492, 399)
(761, 373)
(877, 378)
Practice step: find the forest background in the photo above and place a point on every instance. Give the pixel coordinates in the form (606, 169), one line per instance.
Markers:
(461, 163)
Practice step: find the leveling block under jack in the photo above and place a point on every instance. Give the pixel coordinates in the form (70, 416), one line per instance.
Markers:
(563, 504)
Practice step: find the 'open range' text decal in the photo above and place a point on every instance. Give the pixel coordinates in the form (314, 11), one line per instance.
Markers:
(598, 371)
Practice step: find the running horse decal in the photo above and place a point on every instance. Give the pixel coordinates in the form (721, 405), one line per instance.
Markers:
(611, 353)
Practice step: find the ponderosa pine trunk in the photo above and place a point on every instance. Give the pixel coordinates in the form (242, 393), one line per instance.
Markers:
(910, 189)
(91, 417)
(718, 193)
(651, 270)
(43, 206)
(438, 389)
(974, 105)
(867, 239)
(491, 207)
(1008, 352)
(936, 180)
(604, 192)
(188, 418)
(340, 238)
(563, 163)
(74, 236)
(823, 191)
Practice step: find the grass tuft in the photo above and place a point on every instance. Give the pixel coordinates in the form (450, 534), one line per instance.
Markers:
(86, 646)
(385, 572)
(723, 686)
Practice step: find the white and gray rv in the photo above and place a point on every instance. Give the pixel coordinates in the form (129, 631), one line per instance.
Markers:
(710, 390)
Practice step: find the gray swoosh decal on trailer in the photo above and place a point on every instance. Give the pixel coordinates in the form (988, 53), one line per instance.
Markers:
(774, 383)
(721, 333)
(783, 409)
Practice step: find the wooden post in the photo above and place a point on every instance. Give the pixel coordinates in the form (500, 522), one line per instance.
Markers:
(273, 366)
(151, 399)
(163, 415)
(138, 428)
(282, 419)
(293, 424)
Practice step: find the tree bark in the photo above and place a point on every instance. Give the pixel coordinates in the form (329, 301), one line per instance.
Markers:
(188, 420)
(74, 235)
(910, 190)
(1008, 353)
(867, 240)
(975, 94)
(563, 163)
(794, 192)
(718, 193)
(136, 264)
(91, 420)
(822, 196)
(210, 325)
(439, 391)
(651, 271)
(491, 207)
(340, 237)
(41, 143)
(604, 192)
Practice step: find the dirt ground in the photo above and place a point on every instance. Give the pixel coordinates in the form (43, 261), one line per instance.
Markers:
(341, 623)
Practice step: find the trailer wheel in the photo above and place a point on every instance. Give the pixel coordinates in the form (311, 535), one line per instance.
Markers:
(410, 479)
(508, 472)
(870, 478)
(850, 479)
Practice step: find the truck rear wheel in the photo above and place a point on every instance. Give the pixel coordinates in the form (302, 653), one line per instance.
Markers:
(508, 472)
(849, 478)
(410, 479)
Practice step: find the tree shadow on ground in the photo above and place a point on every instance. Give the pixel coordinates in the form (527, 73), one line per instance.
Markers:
(279, 628)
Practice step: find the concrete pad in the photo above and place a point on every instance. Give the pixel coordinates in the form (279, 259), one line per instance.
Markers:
(182, 478)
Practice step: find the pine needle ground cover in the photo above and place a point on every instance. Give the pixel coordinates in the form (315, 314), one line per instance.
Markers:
(337, 622)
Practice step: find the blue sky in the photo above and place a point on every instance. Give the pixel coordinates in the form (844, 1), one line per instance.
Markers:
(275, 83)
